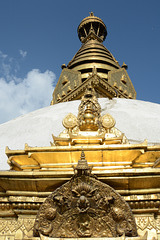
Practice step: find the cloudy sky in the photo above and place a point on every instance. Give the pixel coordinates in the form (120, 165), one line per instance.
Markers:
(38, 36)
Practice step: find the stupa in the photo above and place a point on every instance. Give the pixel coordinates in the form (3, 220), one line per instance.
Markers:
(93, 64)
(87, 169)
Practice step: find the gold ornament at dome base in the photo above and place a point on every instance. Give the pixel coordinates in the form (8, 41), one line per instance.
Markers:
(88, 122)
(70, 121)
(89, 127)
(106, 147)
(108, 121)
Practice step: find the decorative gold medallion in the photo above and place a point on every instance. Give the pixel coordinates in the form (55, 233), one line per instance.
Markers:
(70, 121)
(108, 121)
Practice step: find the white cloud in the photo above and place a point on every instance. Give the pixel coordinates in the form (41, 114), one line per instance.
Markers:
(23, 53)
(31, 93)
(8, 67)
(2, 55)
(22, 95)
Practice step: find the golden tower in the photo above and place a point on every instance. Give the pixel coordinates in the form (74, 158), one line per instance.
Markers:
(93, 65)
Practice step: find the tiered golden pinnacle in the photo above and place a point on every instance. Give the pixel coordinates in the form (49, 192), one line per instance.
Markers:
(93, 64)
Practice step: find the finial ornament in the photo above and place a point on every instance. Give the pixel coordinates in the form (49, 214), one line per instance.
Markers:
(92, 27)
(83, 155)
(91, 14)
(124, 65)
(82, 167)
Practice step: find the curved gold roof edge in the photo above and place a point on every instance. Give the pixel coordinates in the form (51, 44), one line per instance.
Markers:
(90, 18)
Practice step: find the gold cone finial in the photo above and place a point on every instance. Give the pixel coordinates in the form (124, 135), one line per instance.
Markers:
(82, 167)
(92, 24)
(83, 155)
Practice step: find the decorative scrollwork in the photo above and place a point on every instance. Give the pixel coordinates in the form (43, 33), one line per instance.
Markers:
(89, 98)
(84, 207)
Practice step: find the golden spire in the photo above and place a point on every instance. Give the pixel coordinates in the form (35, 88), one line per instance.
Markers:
(92, 64)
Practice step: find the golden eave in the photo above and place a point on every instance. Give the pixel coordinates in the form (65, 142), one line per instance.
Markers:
(103, 157)
(27, 148)
(128, 181)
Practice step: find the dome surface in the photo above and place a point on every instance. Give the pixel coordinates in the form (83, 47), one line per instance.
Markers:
(138, 120)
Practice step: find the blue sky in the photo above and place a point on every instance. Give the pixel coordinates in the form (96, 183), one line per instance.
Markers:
(38, 36)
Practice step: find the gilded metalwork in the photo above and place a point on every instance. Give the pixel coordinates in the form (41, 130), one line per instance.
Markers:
(92, 25)
(70, 121)
(84, 207)
(108, 121)
(13, 229)
(89, 98)
(97, 134)
(93, 64)
(89, 127)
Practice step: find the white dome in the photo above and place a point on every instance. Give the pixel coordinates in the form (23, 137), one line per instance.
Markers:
(139, 120)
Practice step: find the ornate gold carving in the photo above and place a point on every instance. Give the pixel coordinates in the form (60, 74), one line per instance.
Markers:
(123, 79)
(69, 89)
(84, 207)
(63, 93)
(89, 98)
(3, 224)
(64, 81)
(75, 83)
(142, 222)
(17, 229)
(88, 121)
(108, 121)
(58, 97)
(126, 92)
(146, 222)
(70, 121)
(158, 224)
(89, 111)
(89, 127)
(121, 89)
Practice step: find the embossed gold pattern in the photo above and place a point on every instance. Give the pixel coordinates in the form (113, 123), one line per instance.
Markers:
(70, 121)
(84, 207)
(108, 121)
